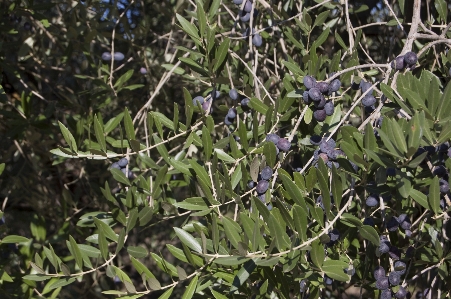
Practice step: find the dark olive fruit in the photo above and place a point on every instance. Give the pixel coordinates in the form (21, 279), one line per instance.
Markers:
(262, 186)
(245, 102)
(306, 97)
(355, 86)
(315, 139)
(231, 113)
(320, 115)
(401, 293)
(283, 144)
(215, 94)
(319, 202)
(393, 224)
(323, 87)
(228, 121)
(379, 272)
(398, 63)
(27, 26)
(118, 56)
(391, 171)
(257, 40)
(130, 173)
(266, 173)
(262, 197)
(205, 105)
(331, 143)
(400, 267)
(334, 235)
(382, 283)
(314, 94)
(368, 100)
(394, 253)
(245, 16)
(329, 108)
(115, 165)
(444, 186)
(251, 184)
(321, 103)
(309, 82)
(384, 247)
(328, 280)
(274, 138)
(326, 147)
(199, 99)
(440, 171)
(408, 233)
(369, 109)
(233, 94)
(237, 2)
(368, 221)
(334, 154)
(350, 272)
(364, 86)
(123, 162)
(143, 71)
(248, 6)
(394, 278)
(385, 294)
(372, 200)
(302, 285)
(106, 56)
(410, 58)
(334, 85)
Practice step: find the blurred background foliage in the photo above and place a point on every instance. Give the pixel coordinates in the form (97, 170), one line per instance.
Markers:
(51, 69)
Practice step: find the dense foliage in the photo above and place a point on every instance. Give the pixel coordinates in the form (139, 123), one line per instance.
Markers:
(225, 149)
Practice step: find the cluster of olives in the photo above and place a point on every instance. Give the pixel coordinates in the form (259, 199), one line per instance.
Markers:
(327, 151)
(368, 100)
(205, 103)
(122, 166)
(316, 92)
(384, 282)
(118, 56)
(245, 14)
(407, 60)
(233, 94)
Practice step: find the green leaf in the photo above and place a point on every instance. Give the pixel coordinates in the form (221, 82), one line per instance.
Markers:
(434, 195)
(188, 27)
(277, 227)
(201, 17)
(36, 277)
(2, 168)
(107, 230)
(399, 135)
(99, 134)
(124, 78)
(231, 231)
(224, 156)
(128, 123)
(419, 198)
(388, 144)
(189, 292)
(258, 105)
(369, 140)
(369, 233)
(137, 251)
(188, 240)
(230, 260)
(317, 253)
(207, 143)
(141, 268)
(242, 275)
(270, 153)
(145, 215)
(132, 218)
(221, 54)
(335, 270)
(68, 138)
(76, 252)
(14, 239)
(103, 245)
(194, 66)
(119, 176)
(300, 222)
(293, 191)
(167, 294)
(218, 295)
(214, 8)
(61, 283)
(321, 18)
(441, 7)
